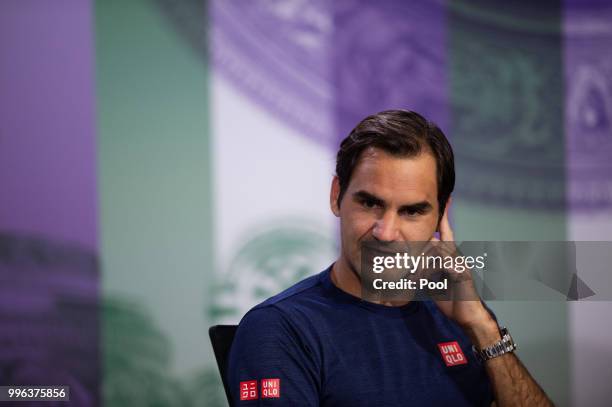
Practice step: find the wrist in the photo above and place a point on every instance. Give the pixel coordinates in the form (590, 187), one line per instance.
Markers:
(483, 331)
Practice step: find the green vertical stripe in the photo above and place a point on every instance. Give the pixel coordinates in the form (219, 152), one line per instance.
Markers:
(506, 93)
(156, 204)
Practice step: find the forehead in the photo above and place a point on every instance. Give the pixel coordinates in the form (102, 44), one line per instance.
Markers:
(395, 178)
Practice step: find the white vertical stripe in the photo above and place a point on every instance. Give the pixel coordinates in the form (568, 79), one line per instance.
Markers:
(264, 173)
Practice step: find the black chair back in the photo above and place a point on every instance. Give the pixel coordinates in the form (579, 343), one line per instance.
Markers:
(221, 337)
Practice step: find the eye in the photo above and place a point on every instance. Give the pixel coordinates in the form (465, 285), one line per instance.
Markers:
(369, 203)
(412, 212)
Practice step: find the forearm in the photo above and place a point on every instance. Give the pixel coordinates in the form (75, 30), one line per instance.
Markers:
(512, 384)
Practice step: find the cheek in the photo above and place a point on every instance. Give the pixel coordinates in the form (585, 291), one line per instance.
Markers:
(420, 231)
(359, 224)
(355, 226)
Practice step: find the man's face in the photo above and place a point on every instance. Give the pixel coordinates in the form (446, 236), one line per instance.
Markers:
(388, 199)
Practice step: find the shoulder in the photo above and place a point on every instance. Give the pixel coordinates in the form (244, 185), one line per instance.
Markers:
(299, 297)
(282, 310)
(302, 288)
(282, 323)
(272, 341)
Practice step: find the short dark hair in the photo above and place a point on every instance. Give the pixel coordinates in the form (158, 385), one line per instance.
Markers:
(401, 133)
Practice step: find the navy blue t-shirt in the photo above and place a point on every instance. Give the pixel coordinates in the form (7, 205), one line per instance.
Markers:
(316, 345)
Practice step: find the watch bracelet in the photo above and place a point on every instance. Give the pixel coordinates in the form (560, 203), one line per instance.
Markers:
(501, 347)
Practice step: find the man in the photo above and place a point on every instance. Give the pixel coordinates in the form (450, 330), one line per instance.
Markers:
(319, 343)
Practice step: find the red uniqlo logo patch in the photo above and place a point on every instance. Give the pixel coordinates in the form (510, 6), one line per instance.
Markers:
(248, 390)
(452, 353)
(270, 388)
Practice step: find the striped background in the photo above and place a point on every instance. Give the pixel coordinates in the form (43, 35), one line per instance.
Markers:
(165, 165)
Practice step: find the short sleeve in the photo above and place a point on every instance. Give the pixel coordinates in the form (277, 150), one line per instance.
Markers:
(270, 362)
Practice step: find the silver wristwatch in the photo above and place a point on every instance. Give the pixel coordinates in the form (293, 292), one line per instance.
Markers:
(503, 346)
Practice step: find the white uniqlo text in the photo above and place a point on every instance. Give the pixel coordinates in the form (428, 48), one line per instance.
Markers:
(452, 353)
(270, 388)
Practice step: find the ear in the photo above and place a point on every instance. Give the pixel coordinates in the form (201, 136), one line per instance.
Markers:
(449, 201)
(334, 195)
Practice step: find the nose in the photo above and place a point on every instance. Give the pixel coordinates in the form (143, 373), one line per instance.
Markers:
(386, 228)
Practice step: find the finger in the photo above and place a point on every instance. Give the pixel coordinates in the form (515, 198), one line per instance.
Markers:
(430, 245)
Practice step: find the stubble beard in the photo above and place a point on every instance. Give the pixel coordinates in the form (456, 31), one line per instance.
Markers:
(353, 268)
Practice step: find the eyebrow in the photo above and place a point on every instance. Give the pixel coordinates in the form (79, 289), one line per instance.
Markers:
(422, 206)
